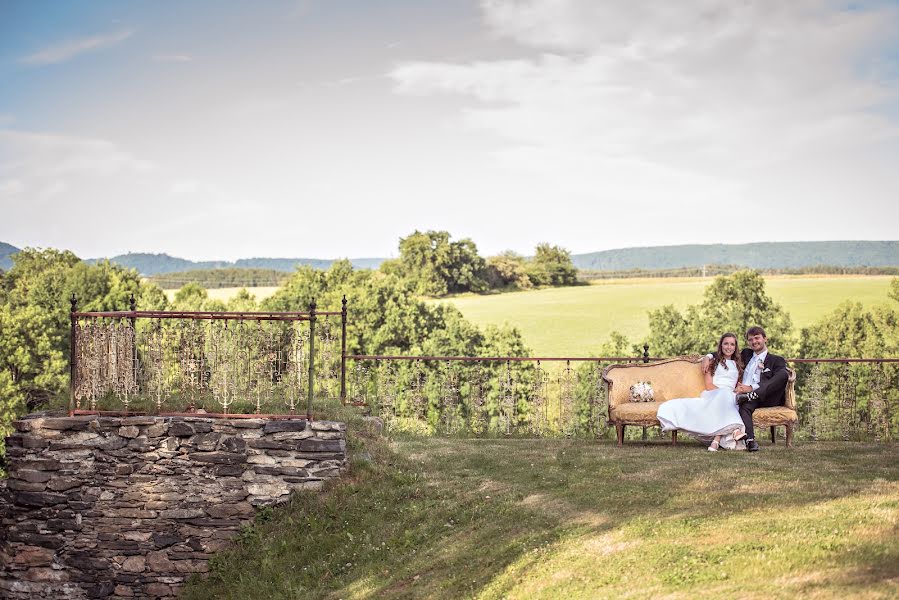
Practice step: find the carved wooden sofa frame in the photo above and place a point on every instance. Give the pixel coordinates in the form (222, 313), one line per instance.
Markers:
(679, 377)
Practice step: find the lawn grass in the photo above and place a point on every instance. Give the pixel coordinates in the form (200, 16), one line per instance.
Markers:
(575, 321)
(514, 518)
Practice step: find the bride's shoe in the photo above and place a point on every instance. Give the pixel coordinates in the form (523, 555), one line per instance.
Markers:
(739, 435)
(713, 447)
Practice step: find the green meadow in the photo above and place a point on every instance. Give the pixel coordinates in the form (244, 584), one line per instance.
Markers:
(574, 321)
(476, 518)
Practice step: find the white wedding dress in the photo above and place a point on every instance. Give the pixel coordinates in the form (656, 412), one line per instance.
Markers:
(713, 413)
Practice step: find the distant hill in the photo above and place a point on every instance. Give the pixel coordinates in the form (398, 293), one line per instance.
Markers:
(763, 255)
(6, 252)
(157, 264)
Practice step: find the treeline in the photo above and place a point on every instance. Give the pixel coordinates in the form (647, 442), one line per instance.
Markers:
(221, 278)
(714, 270)
(388, 316)
(431, 262)
(436, 266)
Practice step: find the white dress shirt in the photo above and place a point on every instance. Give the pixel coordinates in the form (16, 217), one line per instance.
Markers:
(753, 374)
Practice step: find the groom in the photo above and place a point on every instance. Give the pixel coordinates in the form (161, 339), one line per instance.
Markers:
(764, 381)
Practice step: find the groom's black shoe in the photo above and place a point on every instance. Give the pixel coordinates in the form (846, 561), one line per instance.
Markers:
(752, 446)
(750, 397)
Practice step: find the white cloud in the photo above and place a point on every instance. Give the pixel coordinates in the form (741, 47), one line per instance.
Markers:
(173, 58)
(688, 100)
(47, 154)
(72, 48)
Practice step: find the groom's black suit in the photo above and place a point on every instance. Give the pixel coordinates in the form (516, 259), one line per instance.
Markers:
(772, 387)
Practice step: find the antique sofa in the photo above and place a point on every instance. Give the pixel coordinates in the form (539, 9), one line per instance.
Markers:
(679, 377)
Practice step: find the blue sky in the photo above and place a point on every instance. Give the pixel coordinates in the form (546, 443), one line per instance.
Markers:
(227, 130)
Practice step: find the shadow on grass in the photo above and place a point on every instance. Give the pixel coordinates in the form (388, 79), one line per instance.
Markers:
(441, 518)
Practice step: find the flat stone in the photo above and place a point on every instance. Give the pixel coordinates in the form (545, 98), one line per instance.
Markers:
(228, 458)
(207, 442)
(181, 429)
(45, 574)
(284, 425)
(141, 420)
(292, 471)
(182, 513)
(266, 444)
(159, 562)
(234, 444)
(124, 591)
(129, 431)
(246, 423)
(38, 499)
(202, 426)
(314, 445)
(33, 557)
(31, 442)
(164, 540)
(61, 484)
(268, 489)
(134, 564)
(158, 590)
(328, 426)
(31, 476)
(67, 423)
(130, 513)
(228, 470)
(40, 464)
(292, 435)
(223, 511)
(156, 430)
(141, 444)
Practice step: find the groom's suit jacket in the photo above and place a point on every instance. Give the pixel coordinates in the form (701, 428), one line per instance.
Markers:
(773, 379)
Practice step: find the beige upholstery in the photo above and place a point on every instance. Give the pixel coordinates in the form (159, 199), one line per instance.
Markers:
(679, 377)
(673, 378)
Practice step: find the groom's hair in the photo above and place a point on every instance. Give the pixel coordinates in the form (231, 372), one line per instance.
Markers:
(756, 331)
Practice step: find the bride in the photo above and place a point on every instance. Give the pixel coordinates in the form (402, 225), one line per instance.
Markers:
(714, 415)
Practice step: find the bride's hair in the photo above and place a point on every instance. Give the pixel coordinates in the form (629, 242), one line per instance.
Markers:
(718, 357)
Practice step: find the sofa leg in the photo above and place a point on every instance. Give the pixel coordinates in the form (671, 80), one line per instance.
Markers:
(619, 429)
(773, 435)
(789, 435)
(674, 438)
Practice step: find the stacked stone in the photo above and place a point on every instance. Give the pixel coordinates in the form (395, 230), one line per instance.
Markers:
(99, 507)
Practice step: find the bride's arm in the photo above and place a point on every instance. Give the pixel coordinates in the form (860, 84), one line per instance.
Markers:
(708, 376)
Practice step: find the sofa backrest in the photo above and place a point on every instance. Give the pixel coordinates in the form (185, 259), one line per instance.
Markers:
(679, 377)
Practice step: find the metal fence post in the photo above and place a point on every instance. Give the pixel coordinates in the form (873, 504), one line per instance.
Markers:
(72, 325)
(311, 359)
(645, 360)
(132, 306)
(343, 350)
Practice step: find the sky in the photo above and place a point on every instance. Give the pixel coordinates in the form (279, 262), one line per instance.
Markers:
(332, 128)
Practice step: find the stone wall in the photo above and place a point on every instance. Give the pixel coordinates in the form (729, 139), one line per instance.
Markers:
(99, 507)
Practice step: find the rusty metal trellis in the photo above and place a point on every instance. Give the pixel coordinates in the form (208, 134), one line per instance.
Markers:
(216, 362)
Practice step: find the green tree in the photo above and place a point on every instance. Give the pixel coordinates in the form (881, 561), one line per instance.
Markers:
(552, 265)
(508, 270)
(438, 266)
(894, 289)
(35, 325)
(731, 303)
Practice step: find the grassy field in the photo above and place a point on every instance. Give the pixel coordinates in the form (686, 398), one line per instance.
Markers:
(451, 518)
(225, 294)
(574, 321)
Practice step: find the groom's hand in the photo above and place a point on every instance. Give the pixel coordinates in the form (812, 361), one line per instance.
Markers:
(742, 388)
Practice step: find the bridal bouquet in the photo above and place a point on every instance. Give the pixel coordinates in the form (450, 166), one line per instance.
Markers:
(641, 391)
